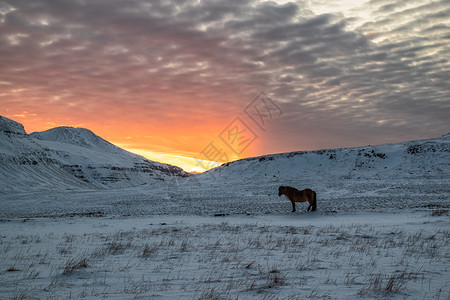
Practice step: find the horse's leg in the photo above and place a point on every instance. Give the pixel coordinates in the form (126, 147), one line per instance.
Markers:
(309, 207)
(293, 206)
(314, 202)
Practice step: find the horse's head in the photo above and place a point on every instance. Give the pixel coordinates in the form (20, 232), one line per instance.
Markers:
(280, 190)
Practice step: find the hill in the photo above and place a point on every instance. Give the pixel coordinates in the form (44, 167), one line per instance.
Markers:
(70, 158)
(410, 174)
(414, 159)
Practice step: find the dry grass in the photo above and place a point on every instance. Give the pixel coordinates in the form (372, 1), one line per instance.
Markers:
(228, 261)
(440, 212)
(73, 265)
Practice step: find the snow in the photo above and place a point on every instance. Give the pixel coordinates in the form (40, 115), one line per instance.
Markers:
(381, 229)
(97, 161)
(67, 158)
(279, 256)
(25, 165)
(163, 241)
(79, 137)
(10, 126)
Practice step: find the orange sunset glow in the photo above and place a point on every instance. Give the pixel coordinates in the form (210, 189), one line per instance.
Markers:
(169, 143)
(196, 84)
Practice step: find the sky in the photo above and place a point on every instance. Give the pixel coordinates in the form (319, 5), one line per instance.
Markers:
(198, 83)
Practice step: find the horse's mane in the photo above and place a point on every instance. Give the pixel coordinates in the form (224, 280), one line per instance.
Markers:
(288, 189)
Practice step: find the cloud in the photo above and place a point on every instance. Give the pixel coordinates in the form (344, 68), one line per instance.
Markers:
(186, 64)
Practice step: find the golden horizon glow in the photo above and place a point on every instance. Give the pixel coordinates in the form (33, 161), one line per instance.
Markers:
(171, 146)
(189, 164)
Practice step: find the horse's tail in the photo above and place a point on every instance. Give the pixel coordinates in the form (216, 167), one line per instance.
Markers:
(314, 201)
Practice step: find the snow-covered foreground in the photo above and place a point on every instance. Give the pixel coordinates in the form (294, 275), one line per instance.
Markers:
(344, 255)
(82, 218)
(206, 196)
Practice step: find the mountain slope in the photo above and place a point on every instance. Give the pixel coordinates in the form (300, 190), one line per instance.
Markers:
(78, 137)
(411, 174)
(414, 159)
(27, 166)
(93, 159)
(70, 158)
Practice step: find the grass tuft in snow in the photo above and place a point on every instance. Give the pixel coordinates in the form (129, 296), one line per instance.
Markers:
(73, 265)
(228, 260)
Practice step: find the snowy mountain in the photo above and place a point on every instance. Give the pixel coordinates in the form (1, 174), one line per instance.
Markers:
(423, 159)
(67, 158)
(412, 174)
(95, 160)
(75, 158)
(25, 165)
(77, 137)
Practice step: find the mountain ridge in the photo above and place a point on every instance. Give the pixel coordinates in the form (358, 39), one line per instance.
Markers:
(75, 136)
(421, 159)
(70, 158)
(294, 153)
(85, 160)
(11, 127)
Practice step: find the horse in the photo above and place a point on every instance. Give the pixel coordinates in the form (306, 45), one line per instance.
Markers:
(295, 195)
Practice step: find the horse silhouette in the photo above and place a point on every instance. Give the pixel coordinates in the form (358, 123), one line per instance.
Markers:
(295, 195)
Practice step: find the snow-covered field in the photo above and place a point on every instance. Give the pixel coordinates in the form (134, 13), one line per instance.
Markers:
(285, 256)
(207, 196)
(166, 242)
(82, 218)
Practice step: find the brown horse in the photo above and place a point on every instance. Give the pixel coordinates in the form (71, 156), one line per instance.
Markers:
(295, 195)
